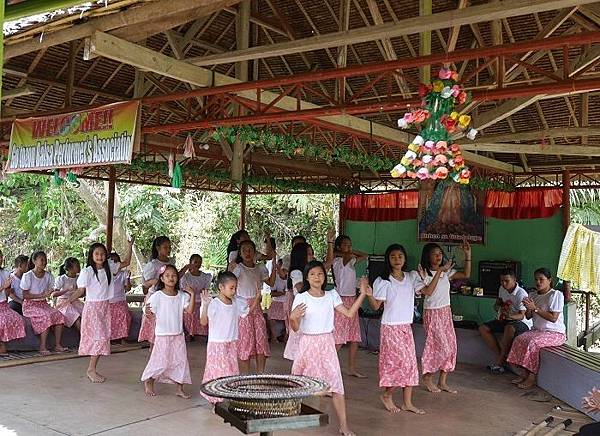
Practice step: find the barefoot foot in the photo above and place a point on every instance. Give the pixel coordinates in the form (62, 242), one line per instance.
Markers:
(149, 388)
(431, 387)
(45, 352)
(355, 373)
(61, 349)
(183, 395)
(95, 377)
(388, 403)
(518, 380)
(446, 388)
(413, 409)
(526, 385)
(345, 431)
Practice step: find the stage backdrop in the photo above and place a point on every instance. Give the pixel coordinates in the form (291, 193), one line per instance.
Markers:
(534, 242)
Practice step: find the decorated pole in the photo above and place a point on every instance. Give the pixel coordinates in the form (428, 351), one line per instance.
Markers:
(433, 154)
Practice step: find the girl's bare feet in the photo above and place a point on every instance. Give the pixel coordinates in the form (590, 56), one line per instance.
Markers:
(149, 387)
(95, 377)
(45, 352)
(518, 380)
(181, 393)
(413, 409)
(345, 431)
(388, 403)
(61, 349)
(354, 373)
(429, 384)
(444, 387)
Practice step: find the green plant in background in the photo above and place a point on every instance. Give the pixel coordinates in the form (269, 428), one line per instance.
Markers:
(585, 206)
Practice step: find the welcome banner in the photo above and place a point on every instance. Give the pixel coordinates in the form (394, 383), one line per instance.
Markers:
(100, 136)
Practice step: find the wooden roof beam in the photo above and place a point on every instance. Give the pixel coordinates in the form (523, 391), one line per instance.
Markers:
(17, 92)
(102, 44)
(130, 19)
(543, 149)
(414, 25)
(538, 135)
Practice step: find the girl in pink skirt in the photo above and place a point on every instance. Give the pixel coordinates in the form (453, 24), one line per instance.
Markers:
(38, 285)
(120, 316)
(397, 357)
(222, 315)
(192, 276)
(347, 330)
(97, 282)
(277, 310)
(439, 353)
(312, 315)
(65, 285)
(160, 256)
(16, 298)
(12, 325)
(253, 337)
(168, 361)
(545, 305)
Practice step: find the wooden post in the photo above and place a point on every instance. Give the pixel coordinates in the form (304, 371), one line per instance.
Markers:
(566, 219)
(425, 8)
(1, 45)
(341, 221)
(110, 211)
(243, 207)
(71, 74)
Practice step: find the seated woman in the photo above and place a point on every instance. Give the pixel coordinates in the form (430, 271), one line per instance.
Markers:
(545, 306)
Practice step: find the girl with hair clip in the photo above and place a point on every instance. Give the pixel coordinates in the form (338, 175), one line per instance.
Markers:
(439, 353)
(347, 330)
(160, 256)
(65, 285)
(395, 289)
(16, 298)
(38, 285)
(191, 275)
(97, 282)
(168, 361)
(222, 315)
(120, 316)
(12, 325)
(312, 315)
(253, 340)
(545, 305)
(242, 235)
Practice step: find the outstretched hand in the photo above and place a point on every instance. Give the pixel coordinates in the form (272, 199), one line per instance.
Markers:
(364, 286)
(205, 297)
(447, 266)
(298, 312)
(331, 234)
(421, 272)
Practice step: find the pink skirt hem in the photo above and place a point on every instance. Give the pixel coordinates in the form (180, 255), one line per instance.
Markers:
(95, 329)
(440, 350)
(221, 361)
(346, 329)
(317, 357)
(168, 362)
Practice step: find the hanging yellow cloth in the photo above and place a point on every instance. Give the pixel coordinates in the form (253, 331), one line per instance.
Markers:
(580, 258)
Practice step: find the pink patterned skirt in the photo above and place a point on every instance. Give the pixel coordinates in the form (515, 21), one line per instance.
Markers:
(42, 316)
(147, 329)
(277, 311)
(317, 357)
(440, 341)
(525, 350)
(346, 329)
(71, 311)
(397, 357)
(12, 325)
(95, 329)
(168, 362)
(120, 320)
(291, 346)
(191, 322)
(221, 361)
(253, 338)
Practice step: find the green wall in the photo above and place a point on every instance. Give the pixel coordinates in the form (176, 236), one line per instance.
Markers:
(535, 243)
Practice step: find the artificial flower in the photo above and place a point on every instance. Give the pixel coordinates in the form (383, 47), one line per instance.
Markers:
(402, 123)
(420, 115)
(445, 73)
(438, 85)
(411, 174)
(441, 172)
(455, 90)
(459, 159)
(410, 155)
(418, 140)
(454, 148)
(464, 121)
(472, 134)
(427, 159)
(423, 173)
(446, 92)
(424, 89)
(442, 145)
(429, 144)
(413, 147)
(454, 76)
(417, 163)
(405, 161)
(448, 123)
(462, 97)
(398, 171)
(409, 117)
(454, 115)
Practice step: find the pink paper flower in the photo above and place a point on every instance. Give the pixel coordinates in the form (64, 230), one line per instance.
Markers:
(441, 173)
(427, 159)
(454, 148)
(422, 173)
(411, 174)
(409, 117)
(445, 74)
(441, 159)
(455, 90)
(429, 144)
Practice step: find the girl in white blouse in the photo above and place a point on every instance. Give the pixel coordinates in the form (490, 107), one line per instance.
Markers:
(312, 315)
(398, 368)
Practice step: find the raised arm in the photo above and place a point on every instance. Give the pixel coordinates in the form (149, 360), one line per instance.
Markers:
(205, 298)
(462, 275)
(365, 290)
(271, 279)
(189, 309)
(127, 259)
(330, 254)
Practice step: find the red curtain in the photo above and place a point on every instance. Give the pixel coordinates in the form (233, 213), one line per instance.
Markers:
(523, 203)
(393, 206)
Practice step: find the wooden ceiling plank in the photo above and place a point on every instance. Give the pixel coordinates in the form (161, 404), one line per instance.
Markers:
(539, 149)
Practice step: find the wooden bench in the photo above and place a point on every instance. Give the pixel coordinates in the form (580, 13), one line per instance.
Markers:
(569, 374)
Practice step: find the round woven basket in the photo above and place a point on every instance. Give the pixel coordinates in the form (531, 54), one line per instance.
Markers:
(266, 395)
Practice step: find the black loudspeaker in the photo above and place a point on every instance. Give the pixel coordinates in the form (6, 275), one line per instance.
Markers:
(489, 274)
(374, 270)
